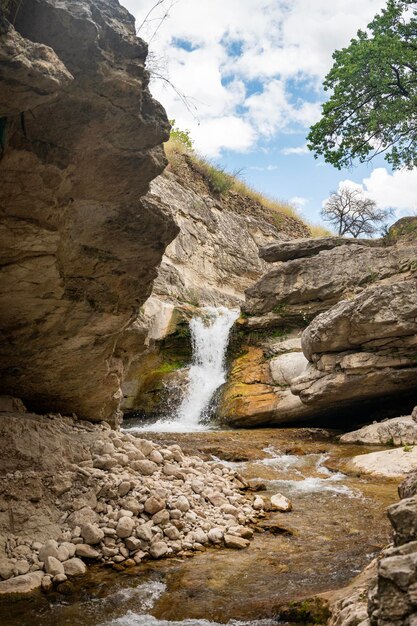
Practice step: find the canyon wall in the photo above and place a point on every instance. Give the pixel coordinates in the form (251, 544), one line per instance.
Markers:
(211, 262)
(331, 328)
(81, 138)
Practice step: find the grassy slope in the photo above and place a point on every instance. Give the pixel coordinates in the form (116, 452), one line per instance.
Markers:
(222, 183)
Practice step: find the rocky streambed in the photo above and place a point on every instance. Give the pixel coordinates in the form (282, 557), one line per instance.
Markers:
(336, 526)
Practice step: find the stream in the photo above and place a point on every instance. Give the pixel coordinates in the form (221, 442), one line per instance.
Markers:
(337, 526)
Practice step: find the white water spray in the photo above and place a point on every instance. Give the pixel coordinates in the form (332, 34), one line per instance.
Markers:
(210, 337)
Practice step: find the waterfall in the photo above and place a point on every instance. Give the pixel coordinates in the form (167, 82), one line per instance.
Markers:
(210, 337)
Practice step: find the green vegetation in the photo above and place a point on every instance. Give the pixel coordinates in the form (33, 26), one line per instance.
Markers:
(373, 82)
(169, 366)
(181, 136)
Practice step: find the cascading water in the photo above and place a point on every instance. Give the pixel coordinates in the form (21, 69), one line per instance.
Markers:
(210, 337)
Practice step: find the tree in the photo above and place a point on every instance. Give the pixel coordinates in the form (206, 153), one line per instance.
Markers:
(352, 213)
(373, 107)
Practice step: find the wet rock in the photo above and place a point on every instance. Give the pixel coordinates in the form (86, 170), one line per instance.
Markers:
(25, 584)
(234, 542)
(280, 503)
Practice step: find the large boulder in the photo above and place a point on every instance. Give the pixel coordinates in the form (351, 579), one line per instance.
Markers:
(299, 289)
(81, 141)
(362, 349)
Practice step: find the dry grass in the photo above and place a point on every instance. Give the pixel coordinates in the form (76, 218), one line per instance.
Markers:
(319, 231)
(221, 182)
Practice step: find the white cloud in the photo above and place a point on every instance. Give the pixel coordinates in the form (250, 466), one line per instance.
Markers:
(296, 150)
(397, 190)
(299, 201)
(279, 44)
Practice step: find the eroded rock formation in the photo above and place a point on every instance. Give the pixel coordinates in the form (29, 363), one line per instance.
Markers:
(81, 140)
(211, 262)
(360, 304)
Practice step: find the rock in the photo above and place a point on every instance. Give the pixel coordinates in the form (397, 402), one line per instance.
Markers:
(172, 533)
(305, 248)
(22, 567)
(144, 446)
(280, 503)
(124, 527)
(144, 532)
(27, 583)
(158, 549)
(85, 268)
(215, 535)
(50, 548)
(46, 583)
(8, 404)
(74, 567)
(408, 487)
(63, 553)
(132, 543)
(53, 567)
(124, 488)
(84, 516)
(258, 503)
(32, 74)
(6, 568)
(153, 505)
(146, 468)
(86, 552)
(403, 517)
(398, 431)
(182, 504)
(91, 534)
(236, 543)
(390, 463)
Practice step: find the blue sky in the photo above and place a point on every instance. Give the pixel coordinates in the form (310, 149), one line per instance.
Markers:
(251, 72)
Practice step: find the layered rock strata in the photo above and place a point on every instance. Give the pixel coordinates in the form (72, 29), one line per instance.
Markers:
(388, 597)
(359, 302)
(102, 496)
(211, 262)
(81, 140)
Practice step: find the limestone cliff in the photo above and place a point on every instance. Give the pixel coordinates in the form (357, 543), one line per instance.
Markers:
(211, 262)
(81, 138)
(357, 301)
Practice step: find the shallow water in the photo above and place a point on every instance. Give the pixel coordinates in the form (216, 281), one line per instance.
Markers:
(338, 524)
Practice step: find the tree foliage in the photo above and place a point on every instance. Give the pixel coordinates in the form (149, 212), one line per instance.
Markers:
(373, 106)
(181, 136)
(350, 212)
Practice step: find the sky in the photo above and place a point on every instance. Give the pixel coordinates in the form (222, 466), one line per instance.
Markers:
(251, 72)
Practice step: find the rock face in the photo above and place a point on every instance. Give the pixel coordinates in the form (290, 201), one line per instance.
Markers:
(389, 598)
(211, 262)
(360, 303)
(81, 140)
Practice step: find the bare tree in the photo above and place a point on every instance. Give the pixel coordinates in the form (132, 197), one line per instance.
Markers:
(352, 213)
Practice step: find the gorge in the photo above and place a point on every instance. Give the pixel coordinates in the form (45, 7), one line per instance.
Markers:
(180, 367)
